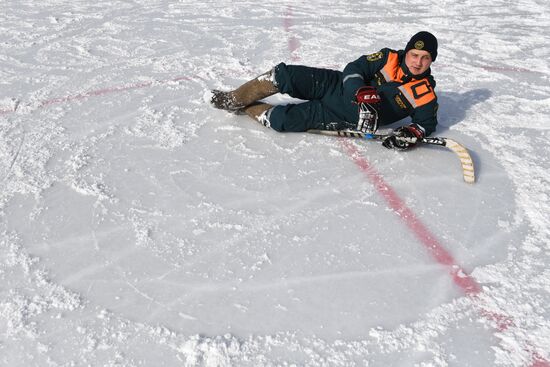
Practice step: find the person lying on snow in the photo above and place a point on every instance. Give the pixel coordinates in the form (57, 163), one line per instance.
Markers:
(374, 90)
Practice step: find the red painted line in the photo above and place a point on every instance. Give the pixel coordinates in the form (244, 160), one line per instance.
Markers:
(508, 69)
(466, 283)
(94, 93)
(293, 43)
(101, 92)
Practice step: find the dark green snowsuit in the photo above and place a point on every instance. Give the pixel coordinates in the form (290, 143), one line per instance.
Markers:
(330, 94)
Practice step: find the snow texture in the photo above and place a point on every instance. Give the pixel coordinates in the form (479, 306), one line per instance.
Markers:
(141, 227)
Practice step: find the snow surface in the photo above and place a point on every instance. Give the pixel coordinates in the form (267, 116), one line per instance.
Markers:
(141, 227)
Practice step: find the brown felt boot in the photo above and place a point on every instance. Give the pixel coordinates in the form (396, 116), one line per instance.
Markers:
(259, 112)
(248, 93)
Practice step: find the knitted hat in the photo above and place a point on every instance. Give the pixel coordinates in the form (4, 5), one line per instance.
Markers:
(423, 41)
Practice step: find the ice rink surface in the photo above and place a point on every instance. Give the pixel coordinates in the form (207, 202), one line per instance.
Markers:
(141, 227)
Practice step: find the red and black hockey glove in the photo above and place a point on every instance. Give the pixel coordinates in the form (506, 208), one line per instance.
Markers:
(404, 137)
(368, 100)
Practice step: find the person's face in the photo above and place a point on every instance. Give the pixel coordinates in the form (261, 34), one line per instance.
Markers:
(418, 61)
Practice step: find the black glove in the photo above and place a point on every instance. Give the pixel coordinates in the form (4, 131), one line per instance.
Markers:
(403, 138)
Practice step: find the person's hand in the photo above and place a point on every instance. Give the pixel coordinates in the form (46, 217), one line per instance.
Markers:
(368, 100)
(403, 138)
(367, 94)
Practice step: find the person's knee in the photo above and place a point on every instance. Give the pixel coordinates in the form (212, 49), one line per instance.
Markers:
(282, 78)
(275, 119)
(291, 118)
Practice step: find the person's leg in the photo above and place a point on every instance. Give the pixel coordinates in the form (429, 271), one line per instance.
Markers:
(303, 117)
(295, 80)
(298, 81)
(305, 82)
(248, 93)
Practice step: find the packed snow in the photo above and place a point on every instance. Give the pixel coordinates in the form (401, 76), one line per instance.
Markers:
(141, 227)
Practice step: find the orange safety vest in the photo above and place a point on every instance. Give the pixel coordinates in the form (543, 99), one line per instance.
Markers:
(416, 92)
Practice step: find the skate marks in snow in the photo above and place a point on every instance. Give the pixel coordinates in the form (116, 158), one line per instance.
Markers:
(132, 256)
(54, 190)
(254, 224)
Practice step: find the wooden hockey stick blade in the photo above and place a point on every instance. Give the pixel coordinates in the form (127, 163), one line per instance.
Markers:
(466, 161)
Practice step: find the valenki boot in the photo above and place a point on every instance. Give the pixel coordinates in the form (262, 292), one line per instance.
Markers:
(259, 112)
(248, 93)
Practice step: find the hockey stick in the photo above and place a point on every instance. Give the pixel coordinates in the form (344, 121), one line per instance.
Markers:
(462, 153)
